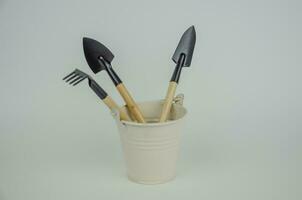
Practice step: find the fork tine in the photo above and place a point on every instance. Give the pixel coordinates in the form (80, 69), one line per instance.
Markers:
(79, 81)
(71, 77)
(68, 75)
(76, 79)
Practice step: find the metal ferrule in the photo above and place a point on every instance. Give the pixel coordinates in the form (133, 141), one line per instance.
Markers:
(177, 70)
(97, 89)
(114, 77)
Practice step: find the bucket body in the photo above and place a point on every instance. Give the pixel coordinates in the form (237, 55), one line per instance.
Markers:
(151, 149)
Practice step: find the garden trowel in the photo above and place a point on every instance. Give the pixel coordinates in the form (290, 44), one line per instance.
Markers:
(99, 58)
(182, 57)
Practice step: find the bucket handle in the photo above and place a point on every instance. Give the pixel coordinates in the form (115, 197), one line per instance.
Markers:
(116, 115)
(178, 100)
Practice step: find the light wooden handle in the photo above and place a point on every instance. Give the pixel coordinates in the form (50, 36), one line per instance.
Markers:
(133, 108)
(112, 105)
(168, 101)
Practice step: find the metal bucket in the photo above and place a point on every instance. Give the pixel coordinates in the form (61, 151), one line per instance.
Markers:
(151, 149)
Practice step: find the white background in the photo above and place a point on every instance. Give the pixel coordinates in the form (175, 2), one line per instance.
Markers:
(242, 138)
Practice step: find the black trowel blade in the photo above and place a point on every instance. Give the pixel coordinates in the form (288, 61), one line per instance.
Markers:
(186, 46)
(93, 50)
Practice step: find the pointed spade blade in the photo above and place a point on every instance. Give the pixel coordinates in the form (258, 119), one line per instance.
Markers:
(186, 46)
(93, 50)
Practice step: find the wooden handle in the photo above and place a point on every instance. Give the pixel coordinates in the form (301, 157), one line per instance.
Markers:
(168, 101)
(133, 108)
(112, 105)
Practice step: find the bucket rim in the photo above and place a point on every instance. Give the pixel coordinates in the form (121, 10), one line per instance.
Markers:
(156, 124)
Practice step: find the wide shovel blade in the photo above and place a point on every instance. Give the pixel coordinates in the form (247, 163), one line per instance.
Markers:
(93, 50)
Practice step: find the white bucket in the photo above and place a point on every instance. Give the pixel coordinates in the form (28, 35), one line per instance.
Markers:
(151, 150)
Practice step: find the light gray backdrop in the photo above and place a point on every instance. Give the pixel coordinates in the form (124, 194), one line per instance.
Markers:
(243, 92)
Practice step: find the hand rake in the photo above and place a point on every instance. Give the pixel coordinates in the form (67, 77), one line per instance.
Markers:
(77, 76)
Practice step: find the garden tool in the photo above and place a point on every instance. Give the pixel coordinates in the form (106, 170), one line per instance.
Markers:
(99, 58)
(182, 57)
(77, 76)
